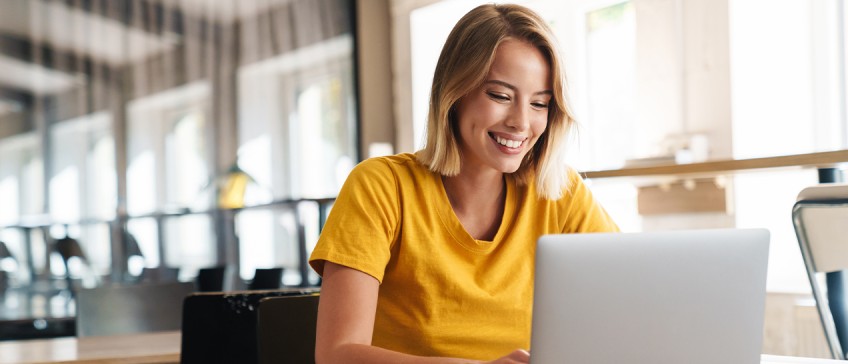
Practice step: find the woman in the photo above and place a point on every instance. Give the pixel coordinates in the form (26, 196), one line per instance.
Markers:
(428, 257)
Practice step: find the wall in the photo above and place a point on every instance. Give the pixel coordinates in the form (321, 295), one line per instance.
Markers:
(374, 47)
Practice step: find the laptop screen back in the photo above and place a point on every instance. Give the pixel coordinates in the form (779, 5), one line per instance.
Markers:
(671, 297)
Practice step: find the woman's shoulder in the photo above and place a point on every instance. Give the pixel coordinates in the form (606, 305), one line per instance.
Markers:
(403, 163)
(389, 161)
(575, 180)
(574, 184)
(396, 168)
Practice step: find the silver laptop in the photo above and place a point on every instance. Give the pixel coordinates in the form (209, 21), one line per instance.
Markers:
(692, 297)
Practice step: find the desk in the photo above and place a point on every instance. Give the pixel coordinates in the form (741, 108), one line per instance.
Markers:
(153, 348)
(773, 359)
(40, 310)
(163, 348)
(712, 168)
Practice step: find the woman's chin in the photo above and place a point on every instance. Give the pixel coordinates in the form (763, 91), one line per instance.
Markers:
(510, 168)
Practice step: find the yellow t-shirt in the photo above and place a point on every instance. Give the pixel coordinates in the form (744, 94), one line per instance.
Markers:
(442, 292)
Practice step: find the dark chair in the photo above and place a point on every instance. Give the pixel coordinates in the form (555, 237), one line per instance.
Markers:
(221, 327)
(132, 247)
(266, 278)
(159, 275)
(114, 310)
(4, 275)
(819, 217)
(133, 250)
(211, 279)
(286, 329)
(4, 282)
(4, 251)
(68, 248)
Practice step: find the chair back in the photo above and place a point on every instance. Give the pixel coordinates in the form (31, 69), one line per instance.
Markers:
(159, 274)
(211, 279)
(4, 283)
(5, 252)
(221, 327)
(286, 329)
(819, 216)
(119, 309)
(68, 248)
(266, 278)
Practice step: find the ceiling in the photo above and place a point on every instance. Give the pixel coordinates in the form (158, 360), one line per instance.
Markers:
(37, 35)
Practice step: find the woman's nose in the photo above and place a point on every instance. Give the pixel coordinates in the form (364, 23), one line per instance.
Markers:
(519, 118)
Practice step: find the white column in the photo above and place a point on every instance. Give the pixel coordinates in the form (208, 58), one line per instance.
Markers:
(706, 74)
(683, 72)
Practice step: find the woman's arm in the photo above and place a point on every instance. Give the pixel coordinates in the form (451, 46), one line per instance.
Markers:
(346, 323)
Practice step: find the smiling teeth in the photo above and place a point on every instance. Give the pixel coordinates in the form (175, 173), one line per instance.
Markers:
(508, 143)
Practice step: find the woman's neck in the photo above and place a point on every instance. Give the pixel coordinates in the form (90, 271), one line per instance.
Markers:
(466, 188)
(478, 201)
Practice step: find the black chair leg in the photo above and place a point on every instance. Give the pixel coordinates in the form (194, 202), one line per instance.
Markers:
(836, 299)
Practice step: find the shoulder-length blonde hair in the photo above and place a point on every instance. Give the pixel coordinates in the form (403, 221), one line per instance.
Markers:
(463, 66)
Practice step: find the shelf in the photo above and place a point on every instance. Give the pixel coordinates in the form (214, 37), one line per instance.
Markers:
(810, 160)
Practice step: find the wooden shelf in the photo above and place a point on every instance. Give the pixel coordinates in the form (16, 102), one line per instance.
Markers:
(810, 160)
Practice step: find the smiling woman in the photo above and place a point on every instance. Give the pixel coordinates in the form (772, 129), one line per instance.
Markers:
(501, 121)
(429, 256)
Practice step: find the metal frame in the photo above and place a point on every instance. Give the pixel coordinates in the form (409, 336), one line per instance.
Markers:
(825, 314)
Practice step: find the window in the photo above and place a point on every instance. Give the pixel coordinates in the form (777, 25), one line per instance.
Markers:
(21, 190)
(785, 77)
(297, 139)
(186, 170)
(168, 148)
(611, 77)
(82, 186)
(169, 159)
(300, 117)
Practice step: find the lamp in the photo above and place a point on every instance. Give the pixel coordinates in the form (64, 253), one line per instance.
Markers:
(232, 186)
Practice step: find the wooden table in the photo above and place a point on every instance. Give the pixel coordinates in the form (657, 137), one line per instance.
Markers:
(162, 348)
(711, 168)
(153, 348)
(773, 359)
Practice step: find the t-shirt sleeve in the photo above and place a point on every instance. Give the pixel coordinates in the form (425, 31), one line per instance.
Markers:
(583, 214)
(363, 222)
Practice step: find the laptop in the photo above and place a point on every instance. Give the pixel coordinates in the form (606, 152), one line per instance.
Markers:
(694, 297)
(221, 327)
(286, 329)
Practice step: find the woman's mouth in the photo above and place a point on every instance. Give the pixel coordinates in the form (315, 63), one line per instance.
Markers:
(508, 143)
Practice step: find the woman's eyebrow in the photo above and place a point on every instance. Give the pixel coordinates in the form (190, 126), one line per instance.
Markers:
(514, 89)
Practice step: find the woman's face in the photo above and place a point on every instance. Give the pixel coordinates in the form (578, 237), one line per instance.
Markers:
(502, 120)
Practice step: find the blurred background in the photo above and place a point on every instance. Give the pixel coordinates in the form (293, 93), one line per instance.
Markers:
(144, 117)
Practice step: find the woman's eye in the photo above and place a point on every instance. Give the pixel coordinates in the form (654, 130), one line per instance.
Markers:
(498, 97)
(540, 105)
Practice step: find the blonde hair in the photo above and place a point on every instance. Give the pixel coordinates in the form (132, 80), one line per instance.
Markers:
(463, 66)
